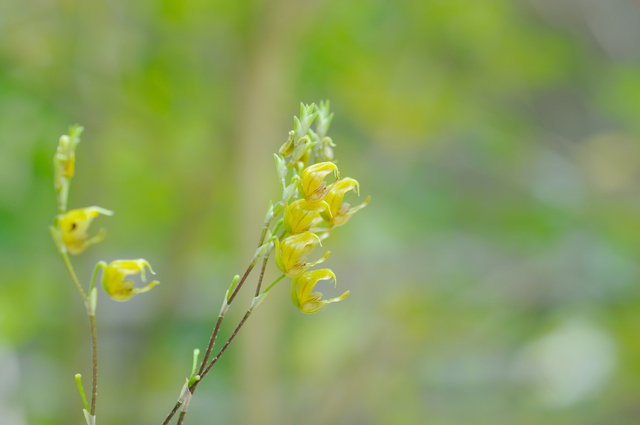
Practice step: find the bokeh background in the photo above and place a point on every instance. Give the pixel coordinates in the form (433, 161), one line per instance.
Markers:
(494, 276)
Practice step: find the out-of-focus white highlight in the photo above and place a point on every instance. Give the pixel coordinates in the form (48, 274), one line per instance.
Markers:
(570, 364)
(9, 382)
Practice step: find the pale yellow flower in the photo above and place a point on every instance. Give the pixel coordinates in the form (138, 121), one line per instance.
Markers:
(312, 302)
(300, 215)
(313, 184)
(342, 211)
(74, 225)
(290, 253)
(113, 278)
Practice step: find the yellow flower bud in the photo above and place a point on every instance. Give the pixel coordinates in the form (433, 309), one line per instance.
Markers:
(287, 148)
(312, 302)
(65, 156)
(290, 253)
(64, 165)
(313, 184)
(74, 225)
(69, 165)
(113, 278)
(342, 211)
(300, 215)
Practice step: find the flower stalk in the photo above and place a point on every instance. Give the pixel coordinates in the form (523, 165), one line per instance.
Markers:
(312, 208)
(70, 236)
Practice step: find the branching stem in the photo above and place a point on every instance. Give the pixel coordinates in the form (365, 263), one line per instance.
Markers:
(204, 368)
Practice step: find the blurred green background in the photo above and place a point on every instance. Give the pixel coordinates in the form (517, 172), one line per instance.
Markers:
(493, 277)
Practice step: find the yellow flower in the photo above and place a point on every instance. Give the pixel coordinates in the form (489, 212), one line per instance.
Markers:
(313, 184)
(74, 225)
(300, 215)
(312, 302)
(342, 211)
(290, 253)
(113, 278)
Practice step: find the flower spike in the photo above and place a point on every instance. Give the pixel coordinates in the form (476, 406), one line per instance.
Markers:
(312, 302)
(74, 225)
(113, 278)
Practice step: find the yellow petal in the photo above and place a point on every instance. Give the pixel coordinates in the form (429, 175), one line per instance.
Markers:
(346, 212)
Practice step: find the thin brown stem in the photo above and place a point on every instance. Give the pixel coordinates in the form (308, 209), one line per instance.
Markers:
(263, 235)
(193, 386)
(173, 412)
(216, 329)
(204, 371)
(214, 334)
(92, 322)
(224, 347)
(181, 417)
(94, 341)
(212, 341)
(264, 266)
(244, 277)
(207, 354)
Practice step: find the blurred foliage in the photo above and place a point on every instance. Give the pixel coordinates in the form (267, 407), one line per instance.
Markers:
(493, 278)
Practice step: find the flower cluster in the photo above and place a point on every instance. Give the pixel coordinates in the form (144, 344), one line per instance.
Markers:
(312, 206)
(312, 202)
(70, 231)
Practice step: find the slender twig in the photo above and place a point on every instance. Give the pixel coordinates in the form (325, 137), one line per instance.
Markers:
(264, 266)
(204, 373)
(214, 334)
(204, 370)
(212, 341)
(173, 412)
(216, 328)
(92, 322)
(193, 386)
(94, 340)
(244, 277)
(224, 347)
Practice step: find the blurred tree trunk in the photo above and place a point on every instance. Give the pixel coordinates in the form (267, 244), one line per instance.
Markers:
(266, 102)
(263, 90)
